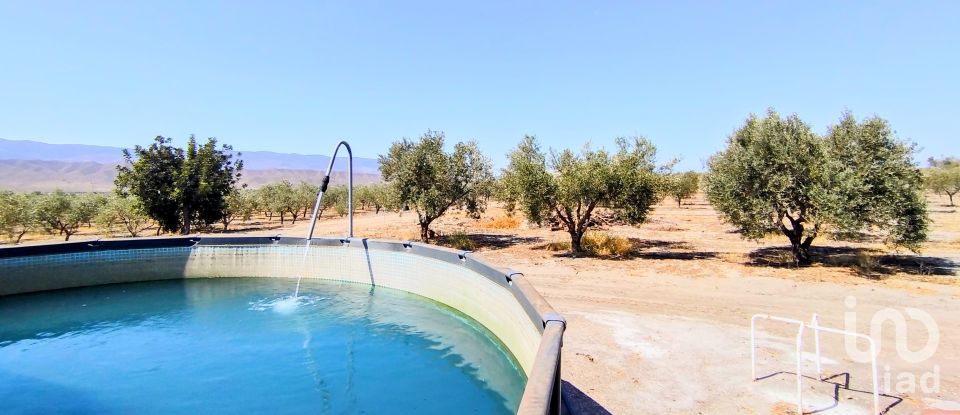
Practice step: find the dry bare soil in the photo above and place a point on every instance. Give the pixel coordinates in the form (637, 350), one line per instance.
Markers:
(666, 328)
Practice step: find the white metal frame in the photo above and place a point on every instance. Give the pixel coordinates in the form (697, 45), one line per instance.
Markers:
(799, 342)
(817, 328)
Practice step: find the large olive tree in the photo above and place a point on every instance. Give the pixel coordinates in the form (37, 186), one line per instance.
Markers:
(778, 176)
(572, 186)
(431, 181)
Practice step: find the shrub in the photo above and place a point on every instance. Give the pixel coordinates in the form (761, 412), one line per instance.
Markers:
(460, 240)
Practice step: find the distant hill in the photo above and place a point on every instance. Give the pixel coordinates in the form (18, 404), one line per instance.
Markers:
(88, 176)
(253, 160)
(35, 166)
(49, 175)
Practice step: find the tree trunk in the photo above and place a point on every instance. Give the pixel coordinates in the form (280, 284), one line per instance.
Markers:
(425, 232)
(801, 254)
(20, 236)
(185, 230)
(576, 245)
(800, 247)
(950, 195)
(678, 202)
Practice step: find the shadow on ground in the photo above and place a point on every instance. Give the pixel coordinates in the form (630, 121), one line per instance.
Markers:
(247, 228)
(656, 249)
(579, 403)
(838, 386)
(638, 249)
(866, 262)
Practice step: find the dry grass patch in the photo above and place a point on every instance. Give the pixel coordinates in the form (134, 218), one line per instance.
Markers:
(557, 246)
(603, 244)
(502, 222)
(596, 244)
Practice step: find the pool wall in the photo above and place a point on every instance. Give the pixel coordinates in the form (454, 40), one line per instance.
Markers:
(502, 300)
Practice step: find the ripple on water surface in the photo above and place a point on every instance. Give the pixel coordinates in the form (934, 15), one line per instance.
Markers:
(243, 345)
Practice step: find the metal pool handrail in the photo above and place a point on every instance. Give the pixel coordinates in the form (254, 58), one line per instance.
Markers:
(323, 188)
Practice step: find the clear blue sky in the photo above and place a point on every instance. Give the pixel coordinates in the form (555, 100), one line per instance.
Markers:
(296, 76)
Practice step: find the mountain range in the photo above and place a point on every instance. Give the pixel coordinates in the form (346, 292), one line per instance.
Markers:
(35, 166)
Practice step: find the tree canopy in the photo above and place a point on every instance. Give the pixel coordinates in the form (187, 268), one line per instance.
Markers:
(126, 211)
(431, 181)
(776, 175)
(573, 185)
(680, 186)
(180, 188)
(18, 214)
(61, 212)
(943, 177)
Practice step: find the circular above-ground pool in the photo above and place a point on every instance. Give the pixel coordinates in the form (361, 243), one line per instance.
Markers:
(200, 325)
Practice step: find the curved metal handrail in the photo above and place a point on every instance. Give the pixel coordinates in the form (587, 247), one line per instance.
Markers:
(323, 188)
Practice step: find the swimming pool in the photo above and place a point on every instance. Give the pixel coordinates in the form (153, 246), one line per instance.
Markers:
(209, 339)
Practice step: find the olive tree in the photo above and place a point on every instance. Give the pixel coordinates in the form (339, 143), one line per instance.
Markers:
(241, 204)
(18, 215)
(126, 211)
(878, 187)
(60, 212)
(297, 200)
(777, 176)
(276, 199)
(88, 205)
(382, 196)
(573, 185)
(943, 179)
(335, 197)
(305, 196)
(266, 202)
(681, 186)
(431, 181)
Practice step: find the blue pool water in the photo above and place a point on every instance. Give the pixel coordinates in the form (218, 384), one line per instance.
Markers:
(222, 345)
